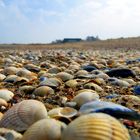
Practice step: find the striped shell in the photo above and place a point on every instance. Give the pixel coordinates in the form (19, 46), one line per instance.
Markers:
(6, 94)
(23, 114)
(97, 126)
(45, 129)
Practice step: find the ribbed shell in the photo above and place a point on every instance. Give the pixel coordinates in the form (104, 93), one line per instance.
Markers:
(46, 129)
(23, 114)
(97, 126)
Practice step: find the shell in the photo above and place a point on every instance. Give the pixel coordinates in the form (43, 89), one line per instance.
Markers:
(64, 76)
(110, 108)
(43, 91)
(54, 70)
(97, 126)
(1, 115)
(85, 97)
(2, 77)
(3, 102)
(46, 129)
(23, 114)
(93, 86)
(67, 112)
(10, 134)
(10, 70)
(6, 94)
(26, 89)
(71, 83)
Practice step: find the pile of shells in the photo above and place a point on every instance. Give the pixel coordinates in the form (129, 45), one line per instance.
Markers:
(70, 94)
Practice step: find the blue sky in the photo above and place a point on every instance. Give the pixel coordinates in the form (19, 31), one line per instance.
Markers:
(42, 21)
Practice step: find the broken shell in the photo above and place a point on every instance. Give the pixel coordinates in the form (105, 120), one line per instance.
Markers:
(6, 94)
(23, 114)
(43, 91)
(7, 133)
(97, 126)
(85, 97)
(64, 76)
(45, 129)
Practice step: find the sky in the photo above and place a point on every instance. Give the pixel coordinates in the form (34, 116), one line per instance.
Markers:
(43, 21)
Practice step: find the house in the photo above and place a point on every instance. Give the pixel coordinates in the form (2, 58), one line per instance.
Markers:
(71, 40)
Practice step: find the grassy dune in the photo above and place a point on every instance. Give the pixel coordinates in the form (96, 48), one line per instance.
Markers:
(127, 43)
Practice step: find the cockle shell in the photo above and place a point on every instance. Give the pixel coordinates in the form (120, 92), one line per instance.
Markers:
(3, 102)
(71, 83)
(110, 108)
(20, 116)
(85, 97)
(2, 77)
(64, 76)
(45, 129)
(10, 70)
(6, 94)
(43, 91)
(97, 126)
(54, 70)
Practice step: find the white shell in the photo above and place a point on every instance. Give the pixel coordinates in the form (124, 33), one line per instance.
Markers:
(23, 114)
(6, 94)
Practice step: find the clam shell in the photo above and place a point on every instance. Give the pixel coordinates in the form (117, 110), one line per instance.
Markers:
(3, 102)
(45, 129)
(6, 94)
(85, 97)
(26, 89)
(96, 126)
(23, 114)
(64, 76)
(93, 86)
(54, 70)
(110, 108)
(67, 112)
(2, 77)
(71, 83)
(10, 70)
(43, 91)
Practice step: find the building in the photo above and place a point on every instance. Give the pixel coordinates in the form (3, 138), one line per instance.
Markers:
(71, 40)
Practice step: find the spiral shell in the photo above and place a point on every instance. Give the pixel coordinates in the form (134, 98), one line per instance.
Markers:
(45, 129)
(23, 114)
(97, 126)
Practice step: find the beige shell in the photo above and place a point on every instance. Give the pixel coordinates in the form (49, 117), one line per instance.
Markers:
(3, 102)
(81, 73)
(97, 126)
(85, 97)
(20, 116)
(10, 134)
(6, 94)
(2, 77)
(64, 76)
(93, 86)
(67, 112)
(26, 89)
(71, 83)
(1, 115)
(10, 70)
(54, 70)
(46, 129)
(43, 91)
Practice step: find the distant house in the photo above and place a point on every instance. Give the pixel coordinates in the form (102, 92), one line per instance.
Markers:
(71, 40)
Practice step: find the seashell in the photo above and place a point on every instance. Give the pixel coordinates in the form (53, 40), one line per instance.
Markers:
(52, 82)
(6, 94)
(2, 77)
(64, 76)
(110, 108)
(124, 73)
(10, 134)
(137, 90)
(93, 87)
(43, 91)
(1, 115)
(85, 97)
(67, 112)
(3, 102)
(41, 73)
(2, 138)
(89, 68)
(32, 67)
(45, 129)
(81, 73)
(85, 90)
(54, 70)
(97, 126)
(10, 70)
(20, 116)
(26, 89)
(71, 83)
(130, 81)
